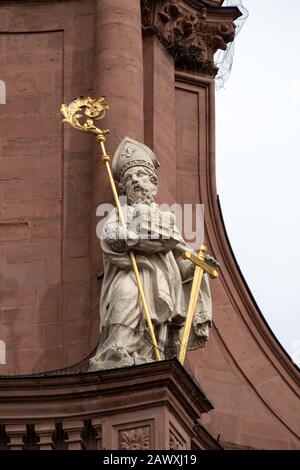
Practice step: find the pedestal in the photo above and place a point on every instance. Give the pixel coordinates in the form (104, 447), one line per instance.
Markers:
(149, 407)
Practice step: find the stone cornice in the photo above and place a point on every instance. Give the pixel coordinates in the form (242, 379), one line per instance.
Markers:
(211, 2)
(163, 376)
(190, 31)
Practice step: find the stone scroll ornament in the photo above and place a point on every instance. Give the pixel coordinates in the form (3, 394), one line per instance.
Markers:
(153, 292)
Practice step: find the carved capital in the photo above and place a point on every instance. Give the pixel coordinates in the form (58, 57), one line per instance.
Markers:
(191, 32)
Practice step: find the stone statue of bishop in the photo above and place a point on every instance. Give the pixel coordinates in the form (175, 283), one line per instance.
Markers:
(124, 337)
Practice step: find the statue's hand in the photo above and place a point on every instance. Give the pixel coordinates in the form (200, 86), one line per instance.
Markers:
(120, 239)
(186, 268)
(129, 238)
(132, 239)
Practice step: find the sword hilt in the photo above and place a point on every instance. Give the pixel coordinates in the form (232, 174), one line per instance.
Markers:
(203, 261)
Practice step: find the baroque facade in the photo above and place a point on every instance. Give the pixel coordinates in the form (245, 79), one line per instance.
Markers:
(153, 60)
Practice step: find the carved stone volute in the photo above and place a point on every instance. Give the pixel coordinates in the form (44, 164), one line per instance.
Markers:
(192, 33)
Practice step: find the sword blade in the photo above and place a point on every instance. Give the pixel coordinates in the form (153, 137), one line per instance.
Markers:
(190, 313)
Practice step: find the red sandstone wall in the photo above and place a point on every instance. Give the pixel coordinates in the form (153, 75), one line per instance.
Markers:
(159, 111)
(31, 198)
(46, 57)
(52, 52)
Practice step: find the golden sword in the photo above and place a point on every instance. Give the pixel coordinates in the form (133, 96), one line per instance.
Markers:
(203, 263)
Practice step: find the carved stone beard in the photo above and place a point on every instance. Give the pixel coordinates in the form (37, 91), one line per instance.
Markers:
(142, 196)
(139, 188)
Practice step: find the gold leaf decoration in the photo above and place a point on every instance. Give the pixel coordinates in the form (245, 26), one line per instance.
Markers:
(88, 109)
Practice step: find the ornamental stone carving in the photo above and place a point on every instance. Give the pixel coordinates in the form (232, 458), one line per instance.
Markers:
(175, 443)
(135, 438)
(192, 33)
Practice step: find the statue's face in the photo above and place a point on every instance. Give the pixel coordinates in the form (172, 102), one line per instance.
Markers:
(139, 185)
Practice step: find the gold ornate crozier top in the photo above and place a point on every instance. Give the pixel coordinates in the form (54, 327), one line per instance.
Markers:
(91, 108)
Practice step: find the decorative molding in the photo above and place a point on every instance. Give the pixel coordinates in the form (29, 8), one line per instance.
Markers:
(191, 35)
(176, 442)
(137, 438)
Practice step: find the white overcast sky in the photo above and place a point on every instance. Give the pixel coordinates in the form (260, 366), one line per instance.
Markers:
(258, 165)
